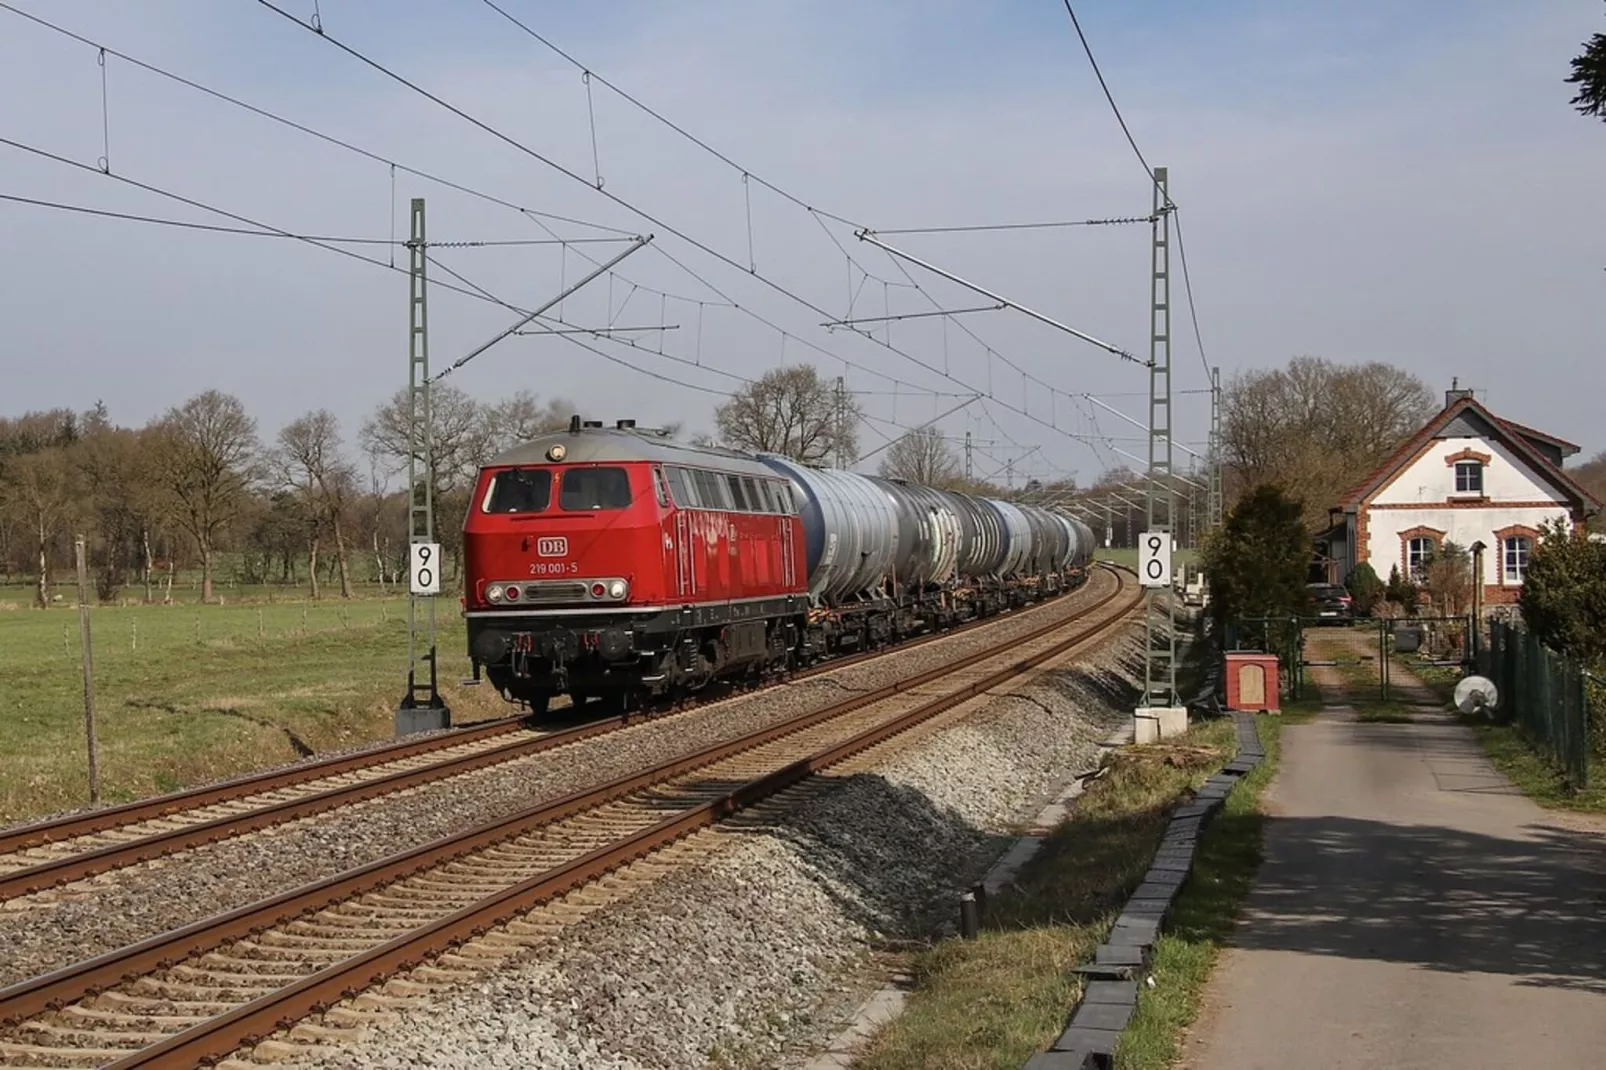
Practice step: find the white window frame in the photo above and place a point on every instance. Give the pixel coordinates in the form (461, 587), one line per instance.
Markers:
(1474, 467)
(1513, 546)
(1414, 571)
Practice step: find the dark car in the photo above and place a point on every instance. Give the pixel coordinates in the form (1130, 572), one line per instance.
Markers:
(1330, 603)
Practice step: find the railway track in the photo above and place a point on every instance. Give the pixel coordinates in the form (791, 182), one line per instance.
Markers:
(50, 853)
(199, 992)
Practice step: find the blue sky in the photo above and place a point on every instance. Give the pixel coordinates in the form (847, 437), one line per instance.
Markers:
(1402, 182)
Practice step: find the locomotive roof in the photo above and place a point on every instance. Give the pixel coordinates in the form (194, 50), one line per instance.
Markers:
(590, 445)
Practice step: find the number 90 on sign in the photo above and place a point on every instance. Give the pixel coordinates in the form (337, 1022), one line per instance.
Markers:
(1154, 559)
(425, 568)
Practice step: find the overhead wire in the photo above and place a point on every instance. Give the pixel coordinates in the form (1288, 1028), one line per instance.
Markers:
(468, 289)
(533, 214)
(649, 217)
(216, 228)
(304, 128)
(980, 227)
(1182, 248)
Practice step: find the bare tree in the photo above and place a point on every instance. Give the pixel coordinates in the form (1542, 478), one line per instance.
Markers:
(1316, 428)
(520, 418)
(38, 490)
(922, 456)
(308, 462)
(205, 449)
(793, 412)
(458, 430)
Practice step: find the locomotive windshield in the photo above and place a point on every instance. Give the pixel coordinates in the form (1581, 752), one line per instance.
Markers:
(520, 490)
(585, 489)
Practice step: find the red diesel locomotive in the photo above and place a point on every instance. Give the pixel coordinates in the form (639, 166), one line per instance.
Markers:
(585, 577)
(607, 563)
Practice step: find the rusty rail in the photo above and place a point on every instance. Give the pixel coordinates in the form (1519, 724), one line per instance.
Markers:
(222, 1034)
(117, 855)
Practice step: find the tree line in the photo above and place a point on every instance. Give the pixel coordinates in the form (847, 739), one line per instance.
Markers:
(199, 482)
(200, 489)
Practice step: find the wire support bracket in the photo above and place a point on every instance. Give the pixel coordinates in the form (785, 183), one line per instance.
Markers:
(867, 236)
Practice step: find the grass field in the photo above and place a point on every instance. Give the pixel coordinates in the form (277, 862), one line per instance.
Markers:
(1128, 556)
(189, 693)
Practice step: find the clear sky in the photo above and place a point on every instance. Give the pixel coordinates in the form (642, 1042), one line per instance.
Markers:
(1390, 181)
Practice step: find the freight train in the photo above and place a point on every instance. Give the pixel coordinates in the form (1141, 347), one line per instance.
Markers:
(606, 563)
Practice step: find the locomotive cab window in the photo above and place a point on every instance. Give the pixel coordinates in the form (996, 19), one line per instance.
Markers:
(519, 490)
(588, 489)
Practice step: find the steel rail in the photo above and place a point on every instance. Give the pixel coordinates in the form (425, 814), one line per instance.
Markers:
(219, 1036)
(112, 856)
(227, 1031)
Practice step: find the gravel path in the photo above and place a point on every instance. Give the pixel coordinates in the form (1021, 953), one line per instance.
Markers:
(730, 962)
(54, 928)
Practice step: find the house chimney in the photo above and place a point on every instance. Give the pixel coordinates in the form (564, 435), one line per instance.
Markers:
(1455, 393)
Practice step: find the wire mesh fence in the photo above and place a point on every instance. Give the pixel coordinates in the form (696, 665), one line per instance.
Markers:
(1550, 697)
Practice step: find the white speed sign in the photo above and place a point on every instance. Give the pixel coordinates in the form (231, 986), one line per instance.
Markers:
(425, 567)
(1154, 558)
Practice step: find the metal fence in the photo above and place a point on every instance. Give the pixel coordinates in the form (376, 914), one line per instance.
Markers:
(1546, 694)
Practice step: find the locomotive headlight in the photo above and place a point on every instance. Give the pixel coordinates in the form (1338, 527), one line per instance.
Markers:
(493, 593)
(617, 589)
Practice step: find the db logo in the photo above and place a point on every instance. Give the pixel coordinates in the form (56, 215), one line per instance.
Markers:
(552, 546)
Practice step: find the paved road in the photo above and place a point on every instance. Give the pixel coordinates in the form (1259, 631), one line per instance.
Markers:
(1413, 911)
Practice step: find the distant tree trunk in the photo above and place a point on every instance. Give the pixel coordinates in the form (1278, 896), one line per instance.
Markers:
(312, 564)
(44, 573)
(340, 557)
(172, 563)
(379, 562)
(206, 571)
(145, 573)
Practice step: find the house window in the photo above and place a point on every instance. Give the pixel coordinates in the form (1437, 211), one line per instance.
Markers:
(1468, 477)
(1419, 550)
(1516, 554)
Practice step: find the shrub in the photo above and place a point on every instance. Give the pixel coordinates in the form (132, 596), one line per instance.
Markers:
(1365, 588)
(1257, 561)
(1563, 597)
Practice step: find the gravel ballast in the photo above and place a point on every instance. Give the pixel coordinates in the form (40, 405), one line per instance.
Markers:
(55, 928)
(748, 957)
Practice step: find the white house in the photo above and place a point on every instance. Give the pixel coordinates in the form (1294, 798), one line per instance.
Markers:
(1467, 476)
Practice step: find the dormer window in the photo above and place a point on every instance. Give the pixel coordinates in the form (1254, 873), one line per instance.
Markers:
(1468, 477)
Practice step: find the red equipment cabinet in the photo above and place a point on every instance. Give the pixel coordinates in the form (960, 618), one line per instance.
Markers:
(1253, 684)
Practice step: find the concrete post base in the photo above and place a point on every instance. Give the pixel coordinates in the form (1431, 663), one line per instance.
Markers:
(1150, 724)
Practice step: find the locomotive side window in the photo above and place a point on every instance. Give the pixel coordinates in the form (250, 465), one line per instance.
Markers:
(660, 486)
(735, 485)
(586, 489)
(711, 490)
(519, 490)
(750, 489)
(681, 487)
(766, 496)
